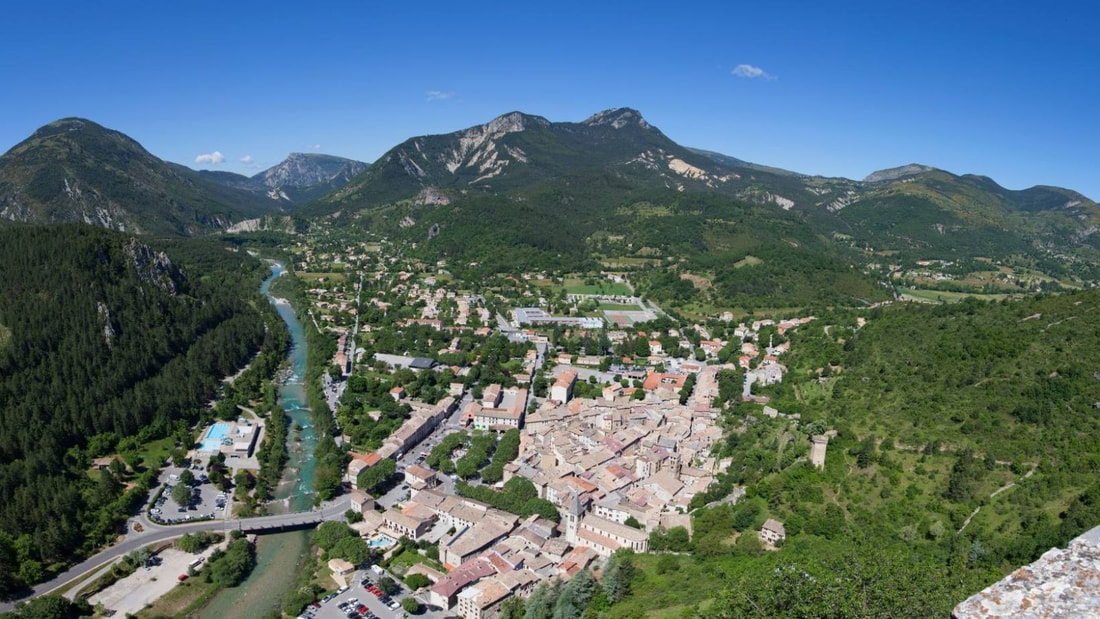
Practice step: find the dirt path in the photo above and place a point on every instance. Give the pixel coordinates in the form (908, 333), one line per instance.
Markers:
(1007, 486)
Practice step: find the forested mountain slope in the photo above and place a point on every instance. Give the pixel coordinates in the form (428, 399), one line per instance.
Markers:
(73, 170)
(965, 442)
(106, 343)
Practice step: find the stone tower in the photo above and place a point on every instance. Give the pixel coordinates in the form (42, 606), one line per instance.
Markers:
(817, 450)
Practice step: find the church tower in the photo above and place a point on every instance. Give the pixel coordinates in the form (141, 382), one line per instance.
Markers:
(572, 518)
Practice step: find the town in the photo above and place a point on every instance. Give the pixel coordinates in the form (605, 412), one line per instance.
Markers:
(571, 393)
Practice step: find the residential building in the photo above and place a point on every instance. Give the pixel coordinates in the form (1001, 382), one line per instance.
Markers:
(405, 524)
(562, 389)
(507, 412)
(445, 592)
(482, 600)
(361, 501)
(773, 532)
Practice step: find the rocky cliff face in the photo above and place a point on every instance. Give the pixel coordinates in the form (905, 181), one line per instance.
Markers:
(893, 174)
(618, 118)
(307, 169)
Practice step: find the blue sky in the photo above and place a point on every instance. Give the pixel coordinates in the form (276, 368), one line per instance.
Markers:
(1006, 89)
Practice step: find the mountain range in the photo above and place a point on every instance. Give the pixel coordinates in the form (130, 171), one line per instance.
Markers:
(615, 188)
(596, 189)
(298, 179)
(76, 170)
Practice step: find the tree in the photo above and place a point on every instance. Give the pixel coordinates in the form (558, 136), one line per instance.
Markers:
(118, 469)
(50, 607)
(540, 605)
(617, 576)
(388, 586)
(353, 516)
(353, 549)
(376, 476)
(668, 563)
(178, 456)
(632, 522)
(745, 515)
(575, 596)
(466, 468)
(512, 608)
(679, 540)
(181, 494)
(416, 581)
(231, 568)
(9, 565)
(187, 477)
(866, 454)
(328, 533)
(749, 543)
(410, 605)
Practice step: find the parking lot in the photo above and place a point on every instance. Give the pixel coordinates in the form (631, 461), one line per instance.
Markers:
(206, 499)
(358, 601)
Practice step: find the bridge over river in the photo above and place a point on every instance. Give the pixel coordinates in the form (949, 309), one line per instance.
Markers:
(154, 533)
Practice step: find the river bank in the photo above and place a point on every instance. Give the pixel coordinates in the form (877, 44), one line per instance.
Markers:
(278, 556)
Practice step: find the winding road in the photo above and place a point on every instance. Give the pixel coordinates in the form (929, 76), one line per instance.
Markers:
(154, 533)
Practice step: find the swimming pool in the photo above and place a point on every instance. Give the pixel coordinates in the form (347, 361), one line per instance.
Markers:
(381, 542)
(214, 436)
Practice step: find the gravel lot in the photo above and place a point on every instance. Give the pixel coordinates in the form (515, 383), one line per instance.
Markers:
(143, 587)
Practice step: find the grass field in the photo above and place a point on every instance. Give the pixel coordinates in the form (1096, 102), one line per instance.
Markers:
(577, 286)
(943, 296)
(620, 307)
(154, 453)
(629, 261)
(402, 561)
(747, 261)
(336, 277)
(810, 392)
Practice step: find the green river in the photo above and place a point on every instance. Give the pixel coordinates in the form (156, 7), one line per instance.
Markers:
(278, 556)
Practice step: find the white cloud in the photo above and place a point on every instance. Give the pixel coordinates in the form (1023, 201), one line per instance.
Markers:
(314, 147)
(247, 159)
(213, 158)
(751, 72)
(438, 95)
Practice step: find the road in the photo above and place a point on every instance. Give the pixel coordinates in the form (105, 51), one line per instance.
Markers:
(154, 533)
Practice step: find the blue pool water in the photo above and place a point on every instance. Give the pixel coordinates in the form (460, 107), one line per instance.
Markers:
(214, 437)
(381, 542)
